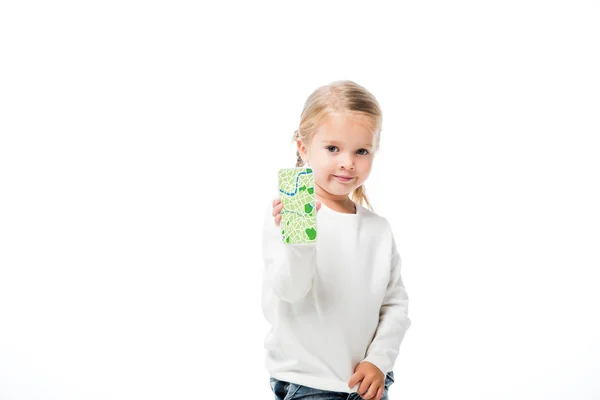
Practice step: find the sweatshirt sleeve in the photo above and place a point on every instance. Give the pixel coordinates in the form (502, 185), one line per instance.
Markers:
(393, 320)
(289, 268)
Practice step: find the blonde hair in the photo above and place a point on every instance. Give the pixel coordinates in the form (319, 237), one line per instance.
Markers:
(339, 96)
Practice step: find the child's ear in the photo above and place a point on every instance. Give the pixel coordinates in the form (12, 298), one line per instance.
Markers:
(301, 147)
(302, 150)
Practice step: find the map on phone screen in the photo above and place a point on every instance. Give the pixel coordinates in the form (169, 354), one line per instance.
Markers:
(298, 216)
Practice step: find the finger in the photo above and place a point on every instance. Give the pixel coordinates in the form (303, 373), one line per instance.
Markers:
(276, 200)
(355, 378)
(364, 388)
(379, 393)
(371, 392)
(277, 209)
(318, 205)
(277, 220)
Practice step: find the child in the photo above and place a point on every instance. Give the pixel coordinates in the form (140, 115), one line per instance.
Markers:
(338, 307)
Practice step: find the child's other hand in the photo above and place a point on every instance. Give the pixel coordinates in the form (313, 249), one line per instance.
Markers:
(372, 379)
(278, 206)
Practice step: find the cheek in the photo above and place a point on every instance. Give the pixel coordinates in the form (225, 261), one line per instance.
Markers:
(322, 176)
(322, 168)
(366, 165)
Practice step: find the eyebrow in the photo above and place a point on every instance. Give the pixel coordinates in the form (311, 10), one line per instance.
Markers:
(337, 142)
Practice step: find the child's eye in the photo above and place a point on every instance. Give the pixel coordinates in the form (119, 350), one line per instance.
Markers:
(335, 147)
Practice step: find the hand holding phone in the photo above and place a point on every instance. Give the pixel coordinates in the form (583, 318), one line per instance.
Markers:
(278, 206)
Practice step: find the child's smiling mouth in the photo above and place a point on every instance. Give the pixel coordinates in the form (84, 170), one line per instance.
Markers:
(343, 179)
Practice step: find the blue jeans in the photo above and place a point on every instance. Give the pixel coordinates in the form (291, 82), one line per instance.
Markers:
(288, 391)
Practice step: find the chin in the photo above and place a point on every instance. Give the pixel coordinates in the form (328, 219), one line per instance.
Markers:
(340, 191)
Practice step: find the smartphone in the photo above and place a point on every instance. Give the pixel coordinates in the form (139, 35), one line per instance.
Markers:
(299, 214)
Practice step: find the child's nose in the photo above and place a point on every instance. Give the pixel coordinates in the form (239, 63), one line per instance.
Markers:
(348, 163)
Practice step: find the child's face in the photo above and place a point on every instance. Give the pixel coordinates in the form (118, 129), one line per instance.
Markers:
(342, 146)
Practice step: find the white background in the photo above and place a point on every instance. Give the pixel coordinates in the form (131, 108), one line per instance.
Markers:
(139, 148)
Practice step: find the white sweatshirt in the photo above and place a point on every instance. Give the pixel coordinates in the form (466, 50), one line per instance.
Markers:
(333, 303)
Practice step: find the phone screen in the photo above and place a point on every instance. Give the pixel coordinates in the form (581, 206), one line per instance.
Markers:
(299, 213)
